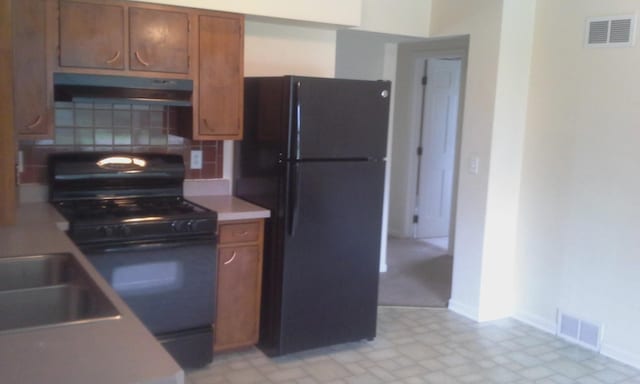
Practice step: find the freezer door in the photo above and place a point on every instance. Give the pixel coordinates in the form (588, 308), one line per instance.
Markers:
(331, 254)
(337, 118)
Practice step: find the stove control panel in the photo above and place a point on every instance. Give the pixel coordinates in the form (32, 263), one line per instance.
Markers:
(110, 231)
(141, 229)
(190, 225)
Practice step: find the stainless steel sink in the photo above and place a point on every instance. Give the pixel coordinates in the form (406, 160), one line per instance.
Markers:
(35, 271)
(47, 290)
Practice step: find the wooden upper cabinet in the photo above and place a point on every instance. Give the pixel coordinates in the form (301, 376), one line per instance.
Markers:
(32, 99)
(218, 115)
(158, 40)
(91, 35)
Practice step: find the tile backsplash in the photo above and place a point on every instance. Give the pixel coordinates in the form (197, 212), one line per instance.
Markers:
(116, 128)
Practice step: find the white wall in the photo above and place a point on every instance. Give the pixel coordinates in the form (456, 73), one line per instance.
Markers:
(578, 242)
(497, 289)
(405, 17)
(359, 55)
(482, 21)
(334, 12)
(272, 49)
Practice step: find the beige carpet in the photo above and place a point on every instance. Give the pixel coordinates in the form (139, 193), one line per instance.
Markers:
(418, 275)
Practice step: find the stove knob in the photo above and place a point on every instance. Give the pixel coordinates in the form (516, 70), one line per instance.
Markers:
(190, 225)
(106, 231)
(124, 230)
(175, 227)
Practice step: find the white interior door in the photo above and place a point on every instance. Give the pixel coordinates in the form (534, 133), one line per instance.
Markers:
(439, 126)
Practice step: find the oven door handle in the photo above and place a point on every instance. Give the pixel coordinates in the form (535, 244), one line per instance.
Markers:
(112, 247)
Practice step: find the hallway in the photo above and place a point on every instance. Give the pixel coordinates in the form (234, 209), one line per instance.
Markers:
(418, 275)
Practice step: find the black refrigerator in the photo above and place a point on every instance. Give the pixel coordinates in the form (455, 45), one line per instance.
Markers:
(314, 154)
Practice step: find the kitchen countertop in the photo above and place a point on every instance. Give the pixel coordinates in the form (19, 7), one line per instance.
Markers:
(230, 208)
(103, 351)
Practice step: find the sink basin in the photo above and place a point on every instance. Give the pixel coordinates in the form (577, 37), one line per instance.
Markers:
(35, 271)
(35, 307)
(48, 290)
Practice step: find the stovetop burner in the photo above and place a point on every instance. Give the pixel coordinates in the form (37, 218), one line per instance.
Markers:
(122, 208)
(135, 219)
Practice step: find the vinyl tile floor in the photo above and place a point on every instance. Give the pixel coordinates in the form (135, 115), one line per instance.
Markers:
(421, 345)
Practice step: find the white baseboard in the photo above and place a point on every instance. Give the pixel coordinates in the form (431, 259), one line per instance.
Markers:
(619, 354)
(465, 310)
(536, 321)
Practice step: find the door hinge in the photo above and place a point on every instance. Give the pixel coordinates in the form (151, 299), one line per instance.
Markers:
(424, 80)
(415, 219)
(419, 151)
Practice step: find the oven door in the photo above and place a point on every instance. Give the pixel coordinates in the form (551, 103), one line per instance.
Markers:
(169, 285)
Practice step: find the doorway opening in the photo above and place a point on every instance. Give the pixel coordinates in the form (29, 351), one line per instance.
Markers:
(437, 137)
(425, 167)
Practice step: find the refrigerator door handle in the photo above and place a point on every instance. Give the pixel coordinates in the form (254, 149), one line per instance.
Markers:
(297, 121)
(294, 190)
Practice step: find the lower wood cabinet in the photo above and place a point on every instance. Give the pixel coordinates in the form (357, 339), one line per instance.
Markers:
(239, 284)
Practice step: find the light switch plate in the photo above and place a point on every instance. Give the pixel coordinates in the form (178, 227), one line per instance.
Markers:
(196, 159)
(474, 165)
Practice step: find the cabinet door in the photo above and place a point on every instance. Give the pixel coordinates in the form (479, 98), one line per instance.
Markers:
(219, 111)
(158, 40)
(91, 35)
(238, 305)
(32, 108)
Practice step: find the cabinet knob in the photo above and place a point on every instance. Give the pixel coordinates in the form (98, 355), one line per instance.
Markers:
(233, 256)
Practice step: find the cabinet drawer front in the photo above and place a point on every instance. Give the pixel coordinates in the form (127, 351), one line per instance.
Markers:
(239, 232)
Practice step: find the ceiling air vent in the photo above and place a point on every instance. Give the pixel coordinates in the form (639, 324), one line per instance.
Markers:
(612, 31)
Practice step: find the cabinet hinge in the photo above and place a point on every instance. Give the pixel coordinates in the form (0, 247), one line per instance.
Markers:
(189, 26)
(424, 80)
(415, 219)
(419, 151)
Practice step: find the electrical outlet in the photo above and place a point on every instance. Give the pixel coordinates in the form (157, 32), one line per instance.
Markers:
(196, 159)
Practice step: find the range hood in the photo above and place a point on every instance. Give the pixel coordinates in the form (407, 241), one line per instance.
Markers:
(122, 89)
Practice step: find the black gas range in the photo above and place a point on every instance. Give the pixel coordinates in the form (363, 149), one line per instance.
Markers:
(126, 212)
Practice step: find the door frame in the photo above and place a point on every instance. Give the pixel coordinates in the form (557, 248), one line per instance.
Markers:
(421, 110)
(436, 49)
